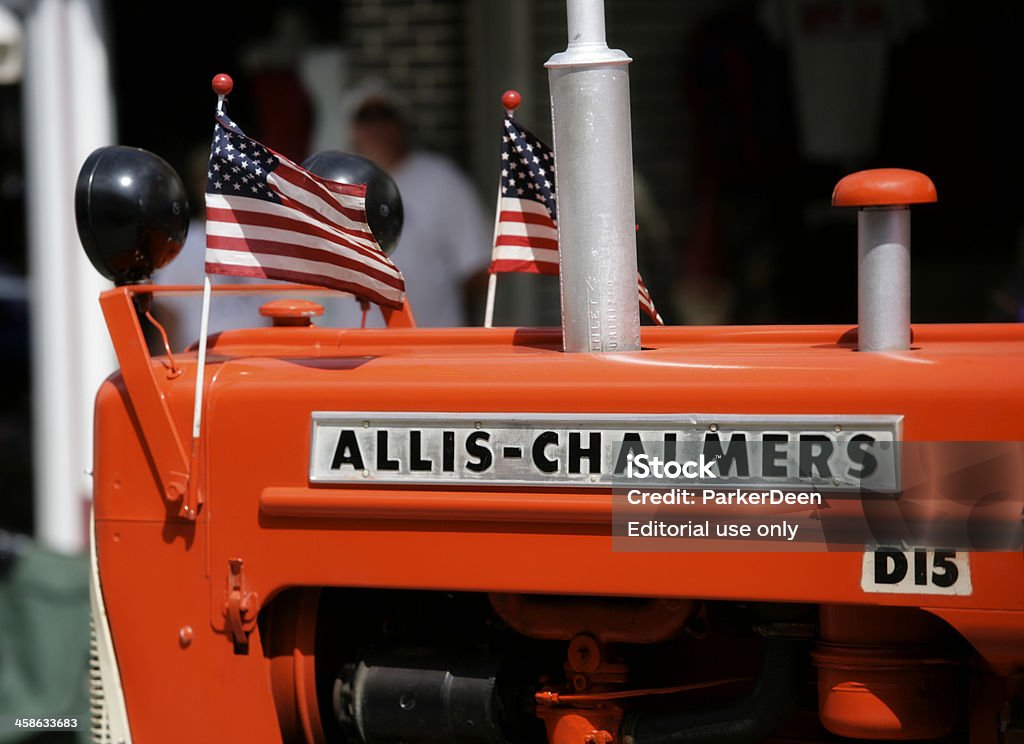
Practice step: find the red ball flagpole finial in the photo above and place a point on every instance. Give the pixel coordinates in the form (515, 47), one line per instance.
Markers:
(511, 99)
(222, 84)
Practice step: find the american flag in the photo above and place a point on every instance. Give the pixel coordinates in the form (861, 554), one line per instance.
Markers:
(267, 217)
(646, 303)
(526, 228)
(526, 235)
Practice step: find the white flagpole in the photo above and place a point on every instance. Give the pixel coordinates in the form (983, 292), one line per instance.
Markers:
(221, 86)
(510, 99)
(492, 284)
(204, 326)
(492, 279)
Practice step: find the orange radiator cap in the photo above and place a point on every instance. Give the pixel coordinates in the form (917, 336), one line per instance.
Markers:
(882, 187)
(291, 312)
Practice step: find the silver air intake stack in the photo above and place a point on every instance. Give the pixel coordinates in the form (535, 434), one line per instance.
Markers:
(884, 196)
(594, 185)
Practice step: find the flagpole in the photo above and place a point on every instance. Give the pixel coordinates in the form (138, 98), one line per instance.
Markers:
(492, 278)
(510, 99)
(492, 284)
(204, 327)
(222, 85)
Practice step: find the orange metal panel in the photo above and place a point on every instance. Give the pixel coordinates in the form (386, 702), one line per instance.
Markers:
(161, 572)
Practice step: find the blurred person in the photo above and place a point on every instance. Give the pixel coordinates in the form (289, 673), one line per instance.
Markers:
(445, 245)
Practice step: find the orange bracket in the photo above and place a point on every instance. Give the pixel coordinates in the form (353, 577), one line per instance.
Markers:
(241, 605)
(148, 400)
(399, 318)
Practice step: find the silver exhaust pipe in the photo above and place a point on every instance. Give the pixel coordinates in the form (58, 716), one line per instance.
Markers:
(594, 186)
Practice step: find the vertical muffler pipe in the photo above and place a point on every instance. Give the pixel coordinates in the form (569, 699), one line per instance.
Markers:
(884, 196)
(594, 186)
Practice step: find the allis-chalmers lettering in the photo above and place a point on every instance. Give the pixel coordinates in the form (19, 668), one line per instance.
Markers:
(738, 455)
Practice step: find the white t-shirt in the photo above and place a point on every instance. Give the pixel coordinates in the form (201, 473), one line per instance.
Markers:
(445, 239)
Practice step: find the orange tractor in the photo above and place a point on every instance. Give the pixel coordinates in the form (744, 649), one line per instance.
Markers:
(407, 535)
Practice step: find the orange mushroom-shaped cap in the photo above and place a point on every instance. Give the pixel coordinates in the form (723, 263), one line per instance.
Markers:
(884, 187)
(291, 312)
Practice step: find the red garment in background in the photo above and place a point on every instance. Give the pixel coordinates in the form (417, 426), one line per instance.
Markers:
(284, 112)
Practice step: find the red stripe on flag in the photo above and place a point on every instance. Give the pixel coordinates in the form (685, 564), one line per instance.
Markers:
(313, 182)
(301, 277)
(290, 250)
(527, 241)
(256, 216)
(547, 268)
(530, 218)
(245, 217)
(302, 179)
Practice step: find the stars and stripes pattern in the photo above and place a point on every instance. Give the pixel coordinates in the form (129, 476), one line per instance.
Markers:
(267, 217)
(646, 303)
(526, 234)
(526, 226)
